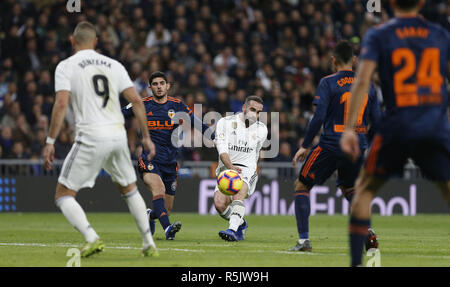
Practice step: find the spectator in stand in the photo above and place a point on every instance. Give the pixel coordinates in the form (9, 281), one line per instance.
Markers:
(213, 52)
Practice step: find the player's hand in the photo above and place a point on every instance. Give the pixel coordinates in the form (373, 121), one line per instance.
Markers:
(149, 147)
(236, 168)
(49, 155)
(349, 144)
(300, 155)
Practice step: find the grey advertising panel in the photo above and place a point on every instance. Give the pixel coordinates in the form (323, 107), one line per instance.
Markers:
(272, 197)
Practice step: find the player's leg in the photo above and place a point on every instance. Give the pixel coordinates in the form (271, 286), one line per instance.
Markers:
(384, 158)
(433, 158)
(137, 207)
(372, 239)
(365, 189)
(251, 179)
(237, 212)
(156, 186)
(347, 175)
(319, 165)
(79, 170)
(170, 199)
(222, 204)
(170, 185)
(302, 212)
(118, 165)
(238, 207)
(74, 213)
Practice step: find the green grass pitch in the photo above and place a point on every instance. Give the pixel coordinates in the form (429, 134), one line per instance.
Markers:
(42, 239)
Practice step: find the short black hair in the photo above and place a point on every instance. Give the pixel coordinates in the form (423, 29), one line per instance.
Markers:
(254, 98)
(343, 52)
(406, 4)
(157, 74)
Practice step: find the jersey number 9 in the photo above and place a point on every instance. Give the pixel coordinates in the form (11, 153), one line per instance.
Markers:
(105, 91)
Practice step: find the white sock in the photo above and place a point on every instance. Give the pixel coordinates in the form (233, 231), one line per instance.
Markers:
(301, 241)
(226, 214)
(237, 214)
(76, 216)
(138, 209)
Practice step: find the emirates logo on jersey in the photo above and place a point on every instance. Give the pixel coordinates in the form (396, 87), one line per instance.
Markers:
(240, 147)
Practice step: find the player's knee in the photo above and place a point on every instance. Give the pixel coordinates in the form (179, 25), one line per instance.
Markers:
(242, 194)
(126, 189)
(301, 186)
(221, 202)
(367, 182)
(62, 191)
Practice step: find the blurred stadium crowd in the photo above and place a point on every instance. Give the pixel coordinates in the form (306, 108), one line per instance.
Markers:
(215, 52)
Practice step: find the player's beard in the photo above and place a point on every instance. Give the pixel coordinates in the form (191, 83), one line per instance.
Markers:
(159, 97)
(249, 120)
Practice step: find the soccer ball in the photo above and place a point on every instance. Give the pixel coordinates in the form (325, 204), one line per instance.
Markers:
(229, 182)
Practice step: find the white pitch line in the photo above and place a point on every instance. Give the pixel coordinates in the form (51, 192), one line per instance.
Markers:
(204, 251)
(73, 245)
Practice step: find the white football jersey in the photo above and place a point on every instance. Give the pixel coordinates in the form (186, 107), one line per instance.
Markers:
(241, 143)
(95, 83)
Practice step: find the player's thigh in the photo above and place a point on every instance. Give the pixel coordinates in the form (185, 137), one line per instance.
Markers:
(300, 186)
(154, 183)
(366, 187)
(62, 191)
(433, 158)
(81, 166)
(319, 165)
(243, 193)
(169, 178)
(250, 179)
(118, 165)
(386, 157)
(348, 171)
(221, 201)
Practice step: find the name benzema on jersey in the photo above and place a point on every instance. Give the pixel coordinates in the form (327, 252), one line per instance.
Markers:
(86, 62)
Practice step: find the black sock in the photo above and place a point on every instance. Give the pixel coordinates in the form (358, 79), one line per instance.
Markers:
(358, 236)
(161, 212)
(302, 211)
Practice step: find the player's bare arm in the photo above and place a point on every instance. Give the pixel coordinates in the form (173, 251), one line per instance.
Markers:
(139, 111)
(225, 158)
(349, 139)
(58, 114)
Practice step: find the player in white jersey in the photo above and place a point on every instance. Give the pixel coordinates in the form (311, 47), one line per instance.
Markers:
(93, 83)
(239, 139)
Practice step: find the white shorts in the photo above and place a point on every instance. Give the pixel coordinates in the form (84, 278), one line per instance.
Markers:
(249, 176)
(84, 162)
